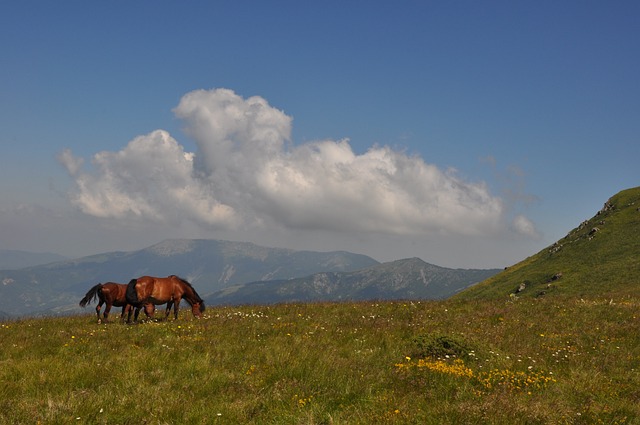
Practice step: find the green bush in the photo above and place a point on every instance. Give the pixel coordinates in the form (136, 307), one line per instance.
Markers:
(439, 346)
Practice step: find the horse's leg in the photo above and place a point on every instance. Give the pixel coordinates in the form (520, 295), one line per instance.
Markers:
(125, 310)
(137, 313)
(166, 314)
(107, 309)
(98, 307)
(176, 306)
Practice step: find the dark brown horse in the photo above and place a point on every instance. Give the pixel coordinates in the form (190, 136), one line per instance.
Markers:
(112, 294)
(149, 291)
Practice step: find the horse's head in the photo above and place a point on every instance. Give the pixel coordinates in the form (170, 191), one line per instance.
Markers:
(197, 308)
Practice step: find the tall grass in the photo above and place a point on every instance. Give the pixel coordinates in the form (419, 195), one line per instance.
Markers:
(547, 360)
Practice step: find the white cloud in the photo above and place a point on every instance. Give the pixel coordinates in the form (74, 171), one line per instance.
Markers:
(524, 226)
(70, 162)
(151, 178)
(246, 173)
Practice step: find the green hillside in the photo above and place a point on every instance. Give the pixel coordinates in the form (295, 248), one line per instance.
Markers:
(599, 257)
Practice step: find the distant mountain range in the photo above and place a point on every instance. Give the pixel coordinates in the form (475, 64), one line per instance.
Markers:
(10, 259)
(230, 272)
(210, 265)
(403, 279)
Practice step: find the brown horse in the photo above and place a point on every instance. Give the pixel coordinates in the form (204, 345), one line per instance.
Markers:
(111, 293)
(149, 291)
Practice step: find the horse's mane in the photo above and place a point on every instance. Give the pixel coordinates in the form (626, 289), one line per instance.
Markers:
(193, 290)
(195, 294)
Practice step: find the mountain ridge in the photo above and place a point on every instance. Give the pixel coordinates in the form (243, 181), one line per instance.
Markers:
(16, 259)
(410, 278)
(209, 264)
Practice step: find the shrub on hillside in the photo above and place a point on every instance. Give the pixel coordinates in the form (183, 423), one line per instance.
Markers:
(439, 346)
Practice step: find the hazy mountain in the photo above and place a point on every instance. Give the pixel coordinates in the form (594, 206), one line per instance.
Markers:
(10, 259)
(210, 265)
(599, 257)
(403, 279)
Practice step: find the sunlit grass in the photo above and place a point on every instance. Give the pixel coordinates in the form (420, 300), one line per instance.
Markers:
(529, 361)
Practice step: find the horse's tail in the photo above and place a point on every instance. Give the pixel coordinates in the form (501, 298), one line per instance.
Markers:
(132, 294)
(91, 295)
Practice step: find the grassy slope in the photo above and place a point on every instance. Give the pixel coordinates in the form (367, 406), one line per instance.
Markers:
(606, 262)
(569, 357)
(531, 362)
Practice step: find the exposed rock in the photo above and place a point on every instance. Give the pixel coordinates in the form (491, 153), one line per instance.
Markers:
(555, 248)
(555, 277)
(608, 206)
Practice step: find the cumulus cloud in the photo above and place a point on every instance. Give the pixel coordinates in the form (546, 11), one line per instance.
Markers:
(151, 178)
(246, 172)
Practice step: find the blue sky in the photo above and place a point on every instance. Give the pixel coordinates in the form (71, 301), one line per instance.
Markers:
(469, 134)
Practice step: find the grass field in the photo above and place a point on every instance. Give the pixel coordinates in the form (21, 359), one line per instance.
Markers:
(528, 361)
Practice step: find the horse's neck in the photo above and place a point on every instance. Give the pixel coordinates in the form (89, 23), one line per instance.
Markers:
(189, 296)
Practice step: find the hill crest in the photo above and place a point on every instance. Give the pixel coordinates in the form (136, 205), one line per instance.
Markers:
(598, 257)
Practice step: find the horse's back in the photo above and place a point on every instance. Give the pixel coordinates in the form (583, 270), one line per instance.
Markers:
(115, 293)
(163, 290)
(150, 289)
